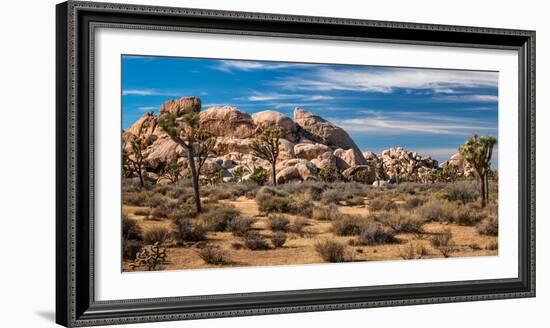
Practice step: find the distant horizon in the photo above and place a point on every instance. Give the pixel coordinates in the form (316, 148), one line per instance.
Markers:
(430, 111)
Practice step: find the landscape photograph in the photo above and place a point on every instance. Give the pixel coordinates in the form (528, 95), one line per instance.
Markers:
(239, 163)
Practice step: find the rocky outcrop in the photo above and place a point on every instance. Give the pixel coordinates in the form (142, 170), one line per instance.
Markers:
(310, 151)
(296, 170)
(270, 118)
(325, 132)
(227, 121)
(360, 173)
(463, 168)
(308, 145)
(179, 106)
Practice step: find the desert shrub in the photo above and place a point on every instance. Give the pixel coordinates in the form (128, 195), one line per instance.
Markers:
(355, 200)
(413, 252)
(407, 188)
(156, 235)
(130, 229)
(348, 225)
(492, 245)
(241, 225)
(442, 238)
(278, 222)
(185, 231)
(213, 255)
(374, 234)
(437, 210)
(183, 212)
(461, 191)
(254, 241)
(217, 216)
(379, 204)
(328, 173)
(413, 202)
(298, 226)
(488, 226)
(142, 211)
(279, 239)
(259, 176)
(468, 215)
(333, 196)
(325, 213)
(332, 251)
(136, 198)
(303, 205)
(130, 248)
(160, 212)
(404, 221)
(277, 204)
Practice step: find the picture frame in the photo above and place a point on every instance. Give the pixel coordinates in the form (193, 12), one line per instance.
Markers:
(77, 22)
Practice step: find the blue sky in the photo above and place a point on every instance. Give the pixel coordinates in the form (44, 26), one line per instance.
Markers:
(431, 111)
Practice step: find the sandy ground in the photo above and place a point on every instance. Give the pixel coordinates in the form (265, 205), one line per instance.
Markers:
(300, 249)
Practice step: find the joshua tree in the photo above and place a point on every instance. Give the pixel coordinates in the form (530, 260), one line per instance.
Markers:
(172, 171)
(477, 151)
(133, 163)
(204, 143)
(183, 130)
(266, 146)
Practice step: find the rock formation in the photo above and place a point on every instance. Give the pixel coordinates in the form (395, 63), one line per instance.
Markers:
(309, 144)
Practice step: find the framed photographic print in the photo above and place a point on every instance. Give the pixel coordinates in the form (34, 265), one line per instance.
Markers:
(215, 164)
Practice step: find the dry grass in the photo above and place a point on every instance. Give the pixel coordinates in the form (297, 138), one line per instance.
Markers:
(247, 238)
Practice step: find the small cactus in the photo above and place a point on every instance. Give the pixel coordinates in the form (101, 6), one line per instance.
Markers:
(151, 257)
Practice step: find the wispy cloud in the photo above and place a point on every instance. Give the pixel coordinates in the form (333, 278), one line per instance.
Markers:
(147, 92)
(468, 98)
(388, 79)
(401, 123)
(240, 65)
(260, 97)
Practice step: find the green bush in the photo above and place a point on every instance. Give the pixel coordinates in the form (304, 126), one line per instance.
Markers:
(348, 225)
(130, 229)
(461, 191)
(375, 234)
(278, 222)
(437, 210)
(468, 215)
(325, 213)
(185, 231)
(217, 216)
(259, 176)
(404, 221)
(254, 241)
(241, 225)
(156, 235)
(277, 204)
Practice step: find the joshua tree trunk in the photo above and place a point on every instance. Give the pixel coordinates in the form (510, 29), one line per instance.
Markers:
(194, 177)
(483, 190)
(140, 175)
(273, 175)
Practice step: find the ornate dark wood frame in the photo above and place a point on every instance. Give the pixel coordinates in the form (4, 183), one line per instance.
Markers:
(76, 23)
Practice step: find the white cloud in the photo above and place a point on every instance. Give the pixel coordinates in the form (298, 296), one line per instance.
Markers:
(468, 98)
(389, 79)
(399, 123)
(146, 92)
(243, 65)
(280, 96)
